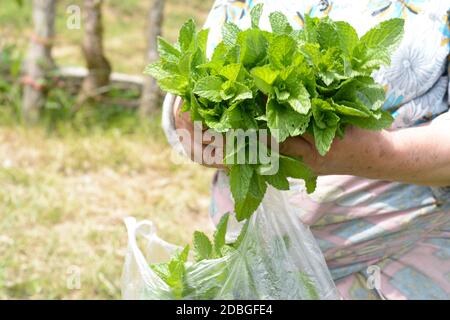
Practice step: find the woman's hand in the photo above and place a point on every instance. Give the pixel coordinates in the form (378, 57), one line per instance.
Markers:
(360, 153)
(418, 155)
(201, 147)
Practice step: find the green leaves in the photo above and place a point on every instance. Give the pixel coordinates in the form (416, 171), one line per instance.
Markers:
(202, 246)
(279, 23)
(281, 51)
(348, 38)
(230, 32)
(167, 51)
(284, 121)
(296, 168)
(177, 85)
(387, 35)
(253, 47)
(377, 45)
(219, 235)
(173, 272)
(327, 34)
(264, 77)
(256, 15)
(216, 89)
(204, 249)
(187, 35)
(299, 99)
(209, 88)
(177, 273)
(324, 138)
(316, 80)
(248, 189)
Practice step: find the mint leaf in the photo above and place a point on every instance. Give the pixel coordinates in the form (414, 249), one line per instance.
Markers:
(387, 35)
(328, 64)
(382, 120)
(209, 88)
(264, 77)
(202, 39)
(253, 47)
(366, 60)
(187, 35)
(299, 99)
(295, 168)
(324, 138)
(327, 34)
(177, 271)
(279, 23)
(281, 51)
(167, 51)
(376, 46)
(278, 181)
(310, 29)
(202, 246)
(218, 58)
(230, 33)
(176, 85)
(235, 91)
(240, 179)
(256, 14)
(161, 270)
(233, 72)
(284, 121)
(197, 59)
(247, 188)
(350, 111)
(219, 234)
(363, 91)
(348, 37)
(242, 92)
(157, 71)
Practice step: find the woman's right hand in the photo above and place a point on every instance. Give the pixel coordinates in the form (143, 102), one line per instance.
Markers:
(203, 150)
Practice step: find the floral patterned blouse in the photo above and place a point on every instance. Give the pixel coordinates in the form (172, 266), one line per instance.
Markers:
(397, 234)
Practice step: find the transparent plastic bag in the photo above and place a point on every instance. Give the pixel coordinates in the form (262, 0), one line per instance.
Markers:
(278, 258)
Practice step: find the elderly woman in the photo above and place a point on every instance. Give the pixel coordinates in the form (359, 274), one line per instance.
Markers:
(381, 212)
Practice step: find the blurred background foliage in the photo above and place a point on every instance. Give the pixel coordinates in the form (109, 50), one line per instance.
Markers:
(67, 181)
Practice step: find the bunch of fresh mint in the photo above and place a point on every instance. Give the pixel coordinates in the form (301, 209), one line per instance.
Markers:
(316, 80)
(207, 276)
(177, 273)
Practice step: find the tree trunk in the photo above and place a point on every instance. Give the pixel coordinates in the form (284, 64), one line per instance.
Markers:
(97, 64)
(39, 62)
(151, 95)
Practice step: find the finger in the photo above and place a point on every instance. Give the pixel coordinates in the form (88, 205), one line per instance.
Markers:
(308, 137)
(177, 106)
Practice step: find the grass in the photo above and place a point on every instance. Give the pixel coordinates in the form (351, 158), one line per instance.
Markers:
(63, 197)
(67, 183)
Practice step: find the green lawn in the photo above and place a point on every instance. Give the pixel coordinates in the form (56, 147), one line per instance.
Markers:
(65, 188)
